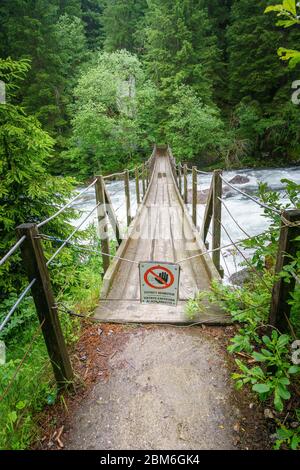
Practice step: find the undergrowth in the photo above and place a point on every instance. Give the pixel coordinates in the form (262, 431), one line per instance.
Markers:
(266, 359)
(27, 383)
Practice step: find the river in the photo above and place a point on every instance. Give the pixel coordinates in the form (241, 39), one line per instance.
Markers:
(248, 213)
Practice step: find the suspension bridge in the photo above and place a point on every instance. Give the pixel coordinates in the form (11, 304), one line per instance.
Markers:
(163, 230)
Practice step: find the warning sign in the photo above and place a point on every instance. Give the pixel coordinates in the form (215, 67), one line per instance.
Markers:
(159, 282)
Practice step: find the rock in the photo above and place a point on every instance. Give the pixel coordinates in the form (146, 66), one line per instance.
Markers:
(100, 331)
(237, 427)
(294, 424)
(268, 414)
(227, 192)
(239, 179)
(240, 277)
(228, 329)
(201, 196)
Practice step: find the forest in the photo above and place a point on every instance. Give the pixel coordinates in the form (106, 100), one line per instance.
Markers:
(87, 87)
(208, 67)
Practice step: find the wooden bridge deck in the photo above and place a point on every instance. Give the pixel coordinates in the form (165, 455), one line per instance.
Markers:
(162, 231)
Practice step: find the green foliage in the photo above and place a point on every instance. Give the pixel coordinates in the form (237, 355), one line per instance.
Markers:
(76, 277)
(121, 20)
(260, 86)
(51, 35)
(92, 17)
(288, 11)
(274, 380)
(13, 72)
(108, 119)
(193, 128)
(27, 194)
(25, 152)
(290, 438)
(274, 377)
(24, 392)
(195, 306)
(180, 49)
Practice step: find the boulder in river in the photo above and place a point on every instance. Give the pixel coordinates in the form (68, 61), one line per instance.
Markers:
(239, 179)
(201, 196)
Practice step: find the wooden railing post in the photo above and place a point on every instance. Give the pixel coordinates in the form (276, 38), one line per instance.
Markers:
(35, 265)
(287, 248)
(207, 215)
(179, 178)
(216, 222)
(112, 215)
(143, 180)
(173, 168)
(127, 197)
(137, 186)
(102, 222)
(195, 195)
(185, 191)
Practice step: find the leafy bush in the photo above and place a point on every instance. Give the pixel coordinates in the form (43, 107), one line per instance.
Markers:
(274, 376)
(194, 130)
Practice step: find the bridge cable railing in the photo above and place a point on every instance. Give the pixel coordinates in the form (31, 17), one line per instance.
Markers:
(65, 242)
(44, 222)
(33, 281)
(12, 250)
(288, 235)
(67, 205)
(30, 244)
(29, 241)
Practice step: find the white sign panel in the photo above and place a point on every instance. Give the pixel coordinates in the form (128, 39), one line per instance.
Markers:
(159, 282)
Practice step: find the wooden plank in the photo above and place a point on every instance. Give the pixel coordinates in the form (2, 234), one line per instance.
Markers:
(216, 222)
(288, 246)
(112, 215)
(127, 197)
(102, 222)
(35, 265)
(194, 191)
(130, 311)
(111, 276)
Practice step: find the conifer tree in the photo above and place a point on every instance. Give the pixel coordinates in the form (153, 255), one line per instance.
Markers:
(121, 21)
(259, 85)
(28, 193)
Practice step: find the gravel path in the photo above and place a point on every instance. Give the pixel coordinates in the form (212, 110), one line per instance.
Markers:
(167, 389)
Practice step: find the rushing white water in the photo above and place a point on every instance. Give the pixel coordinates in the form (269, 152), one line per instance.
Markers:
(248, 213)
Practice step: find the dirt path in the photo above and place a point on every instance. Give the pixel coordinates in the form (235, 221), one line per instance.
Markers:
(167, 388)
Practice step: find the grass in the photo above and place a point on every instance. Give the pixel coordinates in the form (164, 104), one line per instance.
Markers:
(27, 383)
